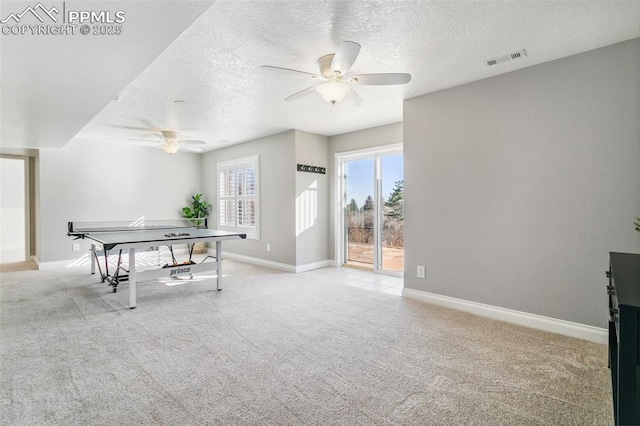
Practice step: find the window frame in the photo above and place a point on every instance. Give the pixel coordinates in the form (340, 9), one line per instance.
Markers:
(252, 232)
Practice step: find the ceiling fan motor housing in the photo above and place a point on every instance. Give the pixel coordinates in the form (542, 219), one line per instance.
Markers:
(170, 135)
(324, 63)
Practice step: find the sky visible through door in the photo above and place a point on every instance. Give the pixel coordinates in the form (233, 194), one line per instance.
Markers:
(360, 184)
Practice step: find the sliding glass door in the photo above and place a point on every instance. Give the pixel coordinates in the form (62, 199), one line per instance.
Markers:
(372, 210)
(392, 213)
(360, 213)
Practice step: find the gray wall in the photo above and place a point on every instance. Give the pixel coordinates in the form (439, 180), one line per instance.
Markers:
(518, 186)
(93, 181)
(312, 197)
(277, 195)
(376, 136)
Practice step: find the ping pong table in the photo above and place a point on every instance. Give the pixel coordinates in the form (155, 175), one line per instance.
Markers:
(128, 237)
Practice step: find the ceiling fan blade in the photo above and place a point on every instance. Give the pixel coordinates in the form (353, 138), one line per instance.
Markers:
(146, 142)
(191, 148)
(380, 79)
(147, 126)
(357, 99)
(192, 142)
(288, 70)
(301, 94)
(145, 129)
(345, 57)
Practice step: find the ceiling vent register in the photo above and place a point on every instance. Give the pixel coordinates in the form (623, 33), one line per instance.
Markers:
(511, 56)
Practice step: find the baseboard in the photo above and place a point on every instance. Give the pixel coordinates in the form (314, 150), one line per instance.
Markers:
(255, 260)
(313, 265)
(566, 328)
(42, 266)
(271, 264)
(36, 261)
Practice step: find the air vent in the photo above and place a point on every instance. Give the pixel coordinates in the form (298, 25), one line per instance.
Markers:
(515, 55)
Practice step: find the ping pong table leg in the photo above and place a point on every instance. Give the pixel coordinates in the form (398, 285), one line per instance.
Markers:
(219, 264)
(93, 260)
(132, 278)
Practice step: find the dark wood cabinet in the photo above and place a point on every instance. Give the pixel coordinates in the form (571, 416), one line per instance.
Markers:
(624, 336)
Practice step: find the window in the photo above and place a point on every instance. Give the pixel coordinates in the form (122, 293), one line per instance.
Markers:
(239, 196)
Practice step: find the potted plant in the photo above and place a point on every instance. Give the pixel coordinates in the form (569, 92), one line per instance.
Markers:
(198, 211)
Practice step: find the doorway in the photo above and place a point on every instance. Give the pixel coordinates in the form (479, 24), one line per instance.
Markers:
(13, 209)
(371, 209)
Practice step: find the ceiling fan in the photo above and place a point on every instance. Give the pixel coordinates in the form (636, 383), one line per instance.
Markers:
(334, 77)
(170, 143)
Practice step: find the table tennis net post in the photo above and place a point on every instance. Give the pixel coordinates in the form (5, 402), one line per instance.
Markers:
(79, 227)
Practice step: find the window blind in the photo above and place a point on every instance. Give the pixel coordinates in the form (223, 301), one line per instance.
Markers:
(238, 195)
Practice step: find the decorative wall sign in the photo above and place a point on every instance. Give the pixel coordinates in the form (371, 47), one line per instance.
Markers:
(312, 169)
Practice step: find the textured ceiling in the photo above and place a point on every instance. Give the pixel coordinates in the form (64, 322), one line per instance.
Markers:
(214, 65)
(51, 86)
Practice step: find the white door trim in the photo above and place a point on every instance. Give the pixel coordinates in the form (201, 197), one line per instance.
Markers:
(340, 159)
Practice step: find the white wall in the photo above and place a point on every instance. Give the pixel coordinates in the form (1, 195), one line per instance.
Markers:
(312, 197)
(518, 186)
(277, 195)
(93, 181)
(12, 209)
(33, 200)
(376, 136)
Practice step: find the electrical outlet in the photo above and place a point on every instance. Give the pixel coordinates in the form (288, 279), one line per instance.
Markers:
(268, 247)
(75, 247)
(421, 272)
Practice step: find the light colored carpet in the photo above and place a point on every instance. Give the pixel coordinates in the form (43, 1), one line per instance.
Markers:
(278, 349)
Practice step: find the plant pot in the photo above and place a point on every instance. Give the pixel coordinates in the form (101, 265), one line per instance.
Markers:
(199, 248)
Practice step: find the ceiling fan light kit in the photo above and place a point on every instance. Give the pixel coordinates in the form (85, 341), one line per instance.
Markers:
(171, 147)
(333, 92)
(334, 69)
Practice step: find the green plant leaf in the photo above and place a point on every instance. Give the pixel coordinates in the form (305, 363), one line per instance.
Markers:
(198, 210)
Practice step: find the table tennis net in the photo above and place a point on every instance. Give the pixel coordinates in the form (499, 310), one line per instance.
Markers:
(137, 225)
